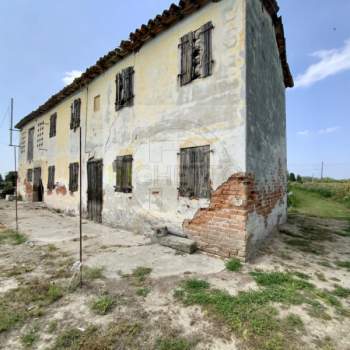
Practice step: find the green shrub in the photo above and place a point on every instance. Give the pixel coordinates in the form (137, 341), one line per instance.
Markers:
(233, 265)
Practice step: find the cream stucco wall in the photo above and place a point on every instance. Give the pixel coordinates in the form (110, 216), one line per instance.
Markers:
(165, 117)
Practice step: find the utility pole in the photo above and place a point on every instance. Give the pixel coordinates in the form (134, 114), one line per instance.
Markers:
(322, 166)
(15, 162)
(80, 212)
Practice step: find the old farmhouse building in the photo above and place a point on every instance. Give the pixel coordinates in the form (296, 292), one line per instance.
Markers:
(182, 125)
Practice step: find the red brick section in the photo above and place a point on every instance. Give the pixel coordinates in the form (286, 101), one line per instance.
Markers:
(221, 228)
(28, 188)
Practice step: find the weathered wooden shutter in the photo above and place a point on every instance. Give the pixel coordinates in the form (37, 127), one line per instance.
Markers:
(30, 144)
(201, 172)
(206, 60)
(186, 173)
(187, 47)
(129, 85)
(119, 174)
(53, 120)
(51, 178)
(119, 91)
(127, 174)
(70, 186)
(194, 172)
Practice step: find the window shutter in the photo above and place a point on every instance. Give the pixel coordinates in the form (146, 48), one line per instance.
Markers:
(119, 174)
(30, 144)
(186, 58)
(119, 89)
(127, 185)
(53, 119)
(186, 172)
(129, 85)
(70, 177)
(77, 111)
(72, 116)
(206, 60)
(201, 172)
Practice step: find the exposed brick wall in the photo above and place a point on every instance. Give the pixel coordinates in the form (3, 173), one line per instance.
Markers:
(221, 228)
(28, 188)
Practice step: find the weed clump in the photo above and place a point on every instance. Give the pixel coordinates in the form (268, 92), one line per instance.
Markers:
(103, 305)
(12, 237)
(93, 273)
(233, 265)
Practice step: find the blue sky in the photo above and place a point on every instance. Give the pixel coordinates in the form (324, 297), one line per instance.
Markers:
(43, 41)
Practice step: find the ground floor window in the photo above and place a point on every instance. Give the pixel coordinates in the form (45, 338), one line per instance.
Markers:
(30, 175)
(124, 174)
(73, 177)
(194, 172)
(51, 178)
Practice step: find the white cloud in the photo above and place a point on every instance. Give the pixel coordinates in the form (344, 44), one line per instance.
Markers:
(329, 130)
(304, 133)
(330, 62)
(70, 76)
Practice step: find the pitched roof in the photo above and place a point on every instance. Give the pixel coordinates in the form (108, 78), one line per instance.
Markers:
(147, 32)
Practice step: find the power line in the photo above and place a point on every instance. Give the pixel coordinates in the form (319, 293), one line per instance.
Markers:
(4, 115)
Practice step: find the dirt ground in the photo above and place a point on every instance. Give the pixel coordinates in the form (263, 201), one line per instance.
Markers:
(128, 299)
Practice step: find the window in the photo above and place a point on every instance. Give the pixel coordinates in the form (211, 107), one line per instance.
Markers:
(124, 88)
(73, 177)
(53, 120)
(75, 114)
(194, 172)
(30, 144)
(196, 54)
(30, 175)
(97, 102)
(51, 178)
(124, 174)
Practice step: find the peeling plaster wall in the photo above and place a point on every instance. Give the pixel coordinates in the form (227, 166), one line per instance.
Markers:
(266, 125)
(165, 117)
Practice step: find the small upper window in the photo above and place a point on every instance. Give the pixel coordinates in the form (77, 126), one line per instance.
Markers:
(73, 177)
(51, 178)
(53, 120)
(124, 88)
(196, 54)
(97, 102)
(124, 174)
(75, 114)
(194, 172)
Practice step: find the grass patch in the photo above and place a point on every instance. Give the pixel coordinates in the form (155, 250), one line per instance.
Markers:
(29, 338)
(103, 305)
(314, 204)
(93, 273)
(341, 292)
(12, 237)
(121, 335)
(343, 264)
(52, 327)
(143, 292)
(233, 265)
(251, 314)
(174, 344)
(141, 273)
(29, 300)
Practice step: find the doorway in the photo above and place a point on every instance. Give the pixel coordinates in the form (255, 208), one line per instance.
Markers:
(95, 189)
(38, 188)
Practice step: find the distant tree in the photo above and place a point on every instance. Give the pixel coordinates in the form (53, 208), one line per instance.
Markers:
(1, 181)
(11, 177)
(299, 179)
(292, 177)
